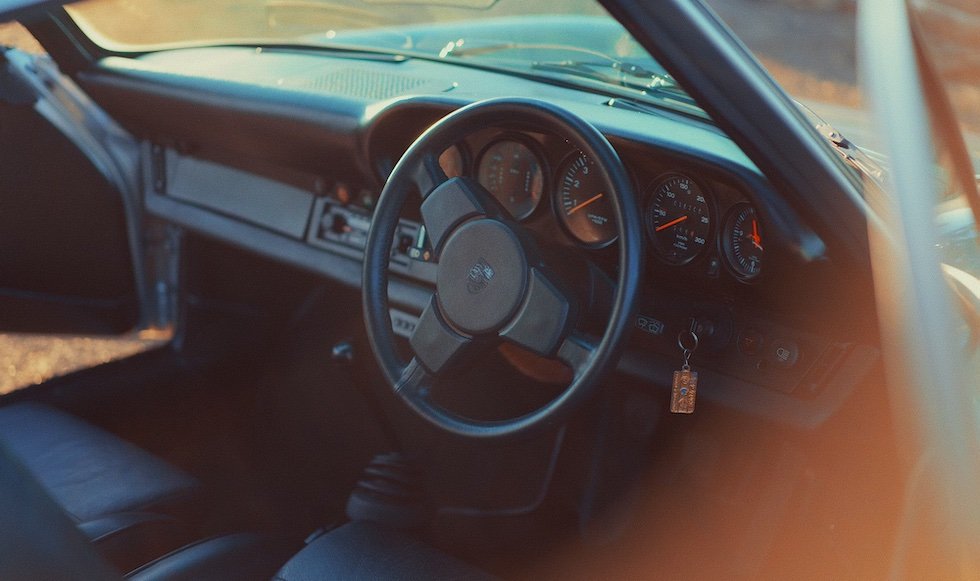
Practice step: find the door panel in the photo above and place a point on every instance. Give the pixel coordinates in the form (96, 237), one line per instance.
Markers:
(65, 261)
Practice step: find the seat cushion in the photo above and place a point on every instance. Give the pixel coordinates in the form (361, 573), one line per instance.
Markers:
(238, 557)
(128, 540)
(37, 540)
(362, 550)
(89, 472)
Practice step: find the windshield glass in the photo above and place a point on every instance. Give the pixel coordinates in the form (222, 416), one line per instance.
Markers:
(574, 40)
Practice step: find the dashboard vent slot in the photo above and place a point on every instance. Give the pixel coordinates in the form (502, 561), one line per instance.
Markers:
(361, 83)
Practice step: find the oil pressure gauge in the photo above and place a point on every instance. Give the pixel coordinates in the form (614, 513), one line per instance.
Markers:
(742, 242)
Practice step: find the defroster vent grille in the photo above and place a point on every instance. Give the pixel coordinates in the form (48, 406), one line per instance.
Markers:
(361, 83)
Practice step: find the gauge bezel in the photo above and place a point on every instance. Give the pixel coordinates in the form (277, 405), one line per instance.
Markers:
(725, 243)
(536, 150)
(650, 194)
(556, 206)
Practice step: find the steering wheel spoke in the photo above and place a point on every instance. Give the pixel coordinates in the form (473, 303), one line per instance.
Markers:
(437, 346)
(451, 203)
(576, 351)
(415, 381)
(543, 319)
(428, 174)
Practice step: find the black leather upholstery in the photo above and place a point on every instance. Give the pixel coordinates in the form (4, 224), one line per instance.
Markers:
(130, 539)
(364, 551)
(100, 482)
(242, 557)
(89, 472)
(103, 483)
(105, 528)
(37, 540)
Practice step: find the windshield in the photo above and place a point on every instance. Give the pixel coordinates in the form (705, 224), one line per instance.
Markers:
(575, 41)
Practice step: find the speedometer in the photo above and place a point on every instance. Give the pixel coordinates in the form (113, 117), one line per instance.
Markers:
(678, 218)
(582, 202)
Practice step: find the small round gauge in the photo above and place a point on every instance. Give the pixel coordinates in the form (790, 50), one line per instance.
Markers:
(453, 161)
(582, 202)
(514, 174)
(678, 219)
(742, 242)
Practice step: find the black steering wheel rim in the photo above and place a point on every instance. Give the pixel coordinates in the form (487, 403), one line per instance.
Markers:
(410, 173)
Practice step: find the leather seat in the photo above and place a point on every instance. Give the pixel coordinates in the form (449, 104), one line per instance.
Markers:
(53, 466)
(89, 472)
(121, 497)
(357, 551)
(238, 556)
(363, 550)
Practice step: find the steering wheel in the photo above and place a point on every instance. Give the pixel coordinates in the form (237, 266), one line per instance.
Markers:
(493, 281)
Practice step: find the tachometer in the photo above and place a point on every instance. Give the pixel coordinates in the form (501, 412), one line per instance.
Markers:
(742, 242)
(582, 202)
(514, 174)
(678, 219)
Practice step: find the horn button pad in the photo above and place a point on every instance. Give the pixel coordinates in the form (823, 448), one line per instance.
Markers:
(482, 276)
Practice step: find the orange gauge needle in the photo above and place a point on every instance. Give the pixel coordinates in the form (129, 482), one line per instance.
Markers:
(578, 207)
(671, 223)
(756, 239)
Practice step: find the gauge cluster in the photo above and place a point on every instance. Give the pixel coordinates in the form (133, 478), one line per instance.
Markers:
(695, 222)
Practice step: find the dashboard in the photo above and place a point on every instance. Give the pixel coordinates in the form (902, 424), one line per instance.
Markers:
(291, 167)
(703, 234)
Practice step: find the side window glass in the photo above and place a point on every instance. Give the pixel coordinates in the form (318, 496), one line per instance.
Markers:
(809, 47)
(951, 29)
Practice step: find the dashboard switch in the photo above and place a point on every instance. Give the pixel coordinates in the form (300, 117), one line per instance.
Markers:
(785, 353)
(650, 325)
(338, 224)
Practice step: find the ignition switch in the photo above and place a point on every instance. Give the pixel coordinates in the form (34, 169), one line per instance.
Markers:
(713, 330)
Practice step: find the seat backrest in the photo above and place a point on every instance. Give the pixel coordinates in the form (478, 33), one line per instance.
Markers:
(37, 540)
